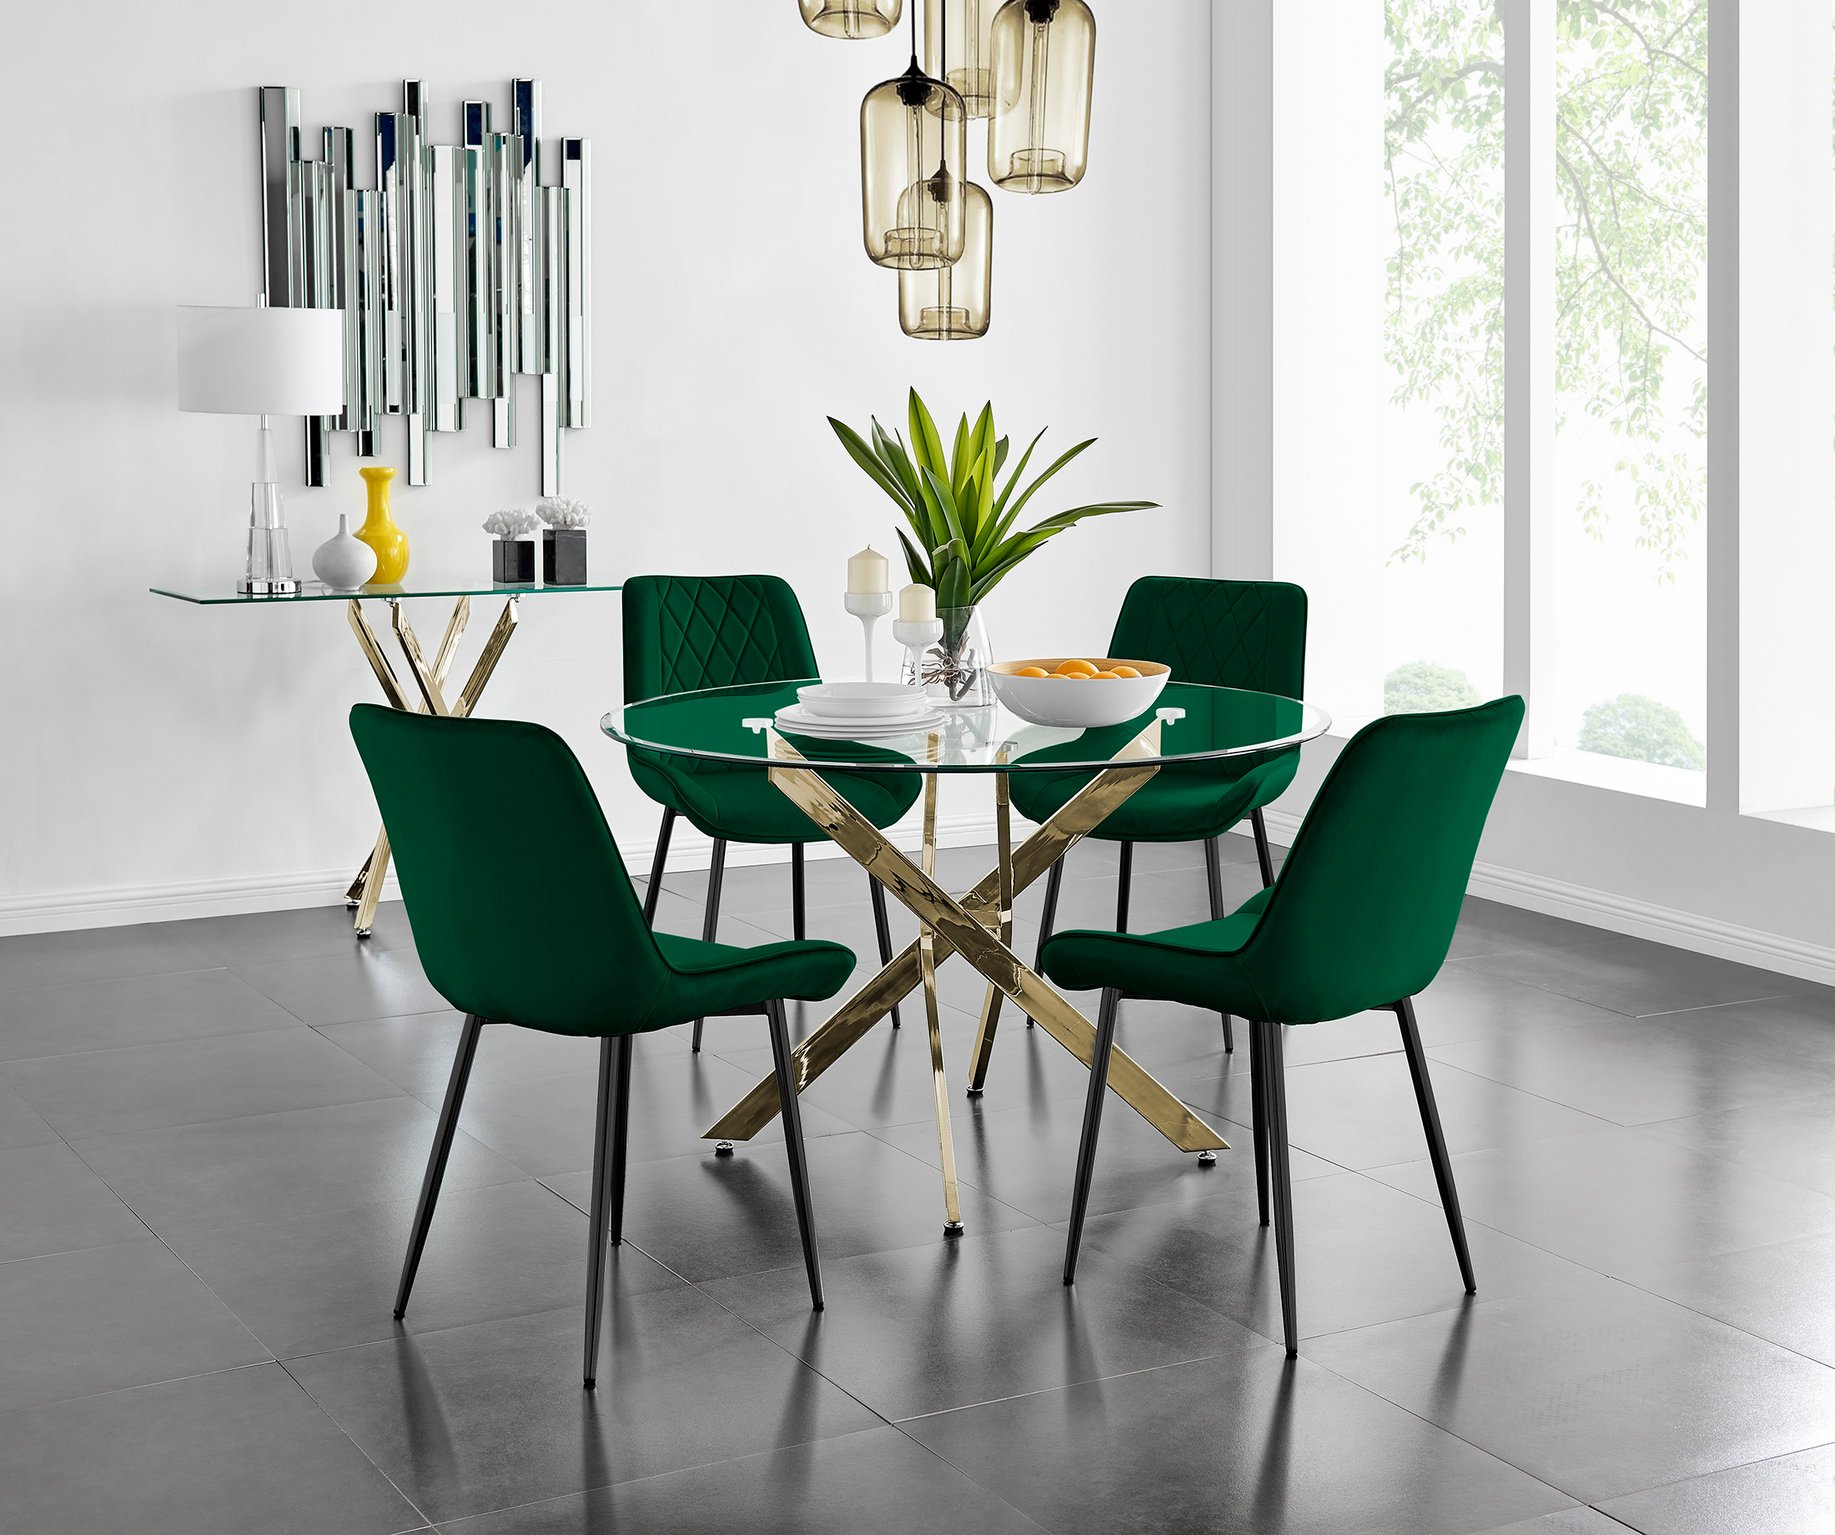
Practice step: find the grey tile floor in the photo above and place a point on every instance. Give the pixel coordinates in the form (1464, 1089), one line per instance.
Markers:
(211, 1135)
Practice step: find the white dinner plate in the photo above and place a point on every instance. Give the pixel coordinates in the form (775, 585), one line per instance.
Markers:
(796, 717)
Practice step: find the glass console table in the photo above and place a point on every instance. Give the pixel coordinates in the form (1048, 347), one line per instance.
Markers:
(425, 690)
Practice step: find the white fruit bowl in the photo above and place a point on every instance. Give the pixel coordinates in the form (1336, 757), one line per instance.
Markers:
(860, 700)
(1078, 705)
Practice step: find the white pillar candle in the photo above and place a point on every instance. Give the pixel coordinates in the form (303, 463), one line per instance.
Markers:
(917, 605)
(868, 573)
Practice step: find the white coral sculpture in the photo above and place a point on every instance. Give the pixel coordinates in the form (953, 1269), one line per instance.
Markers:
(559, 512)
(512, 523)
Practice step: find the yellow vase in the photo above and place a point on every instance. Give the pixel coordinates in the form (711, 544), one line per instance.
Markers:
(379, 530)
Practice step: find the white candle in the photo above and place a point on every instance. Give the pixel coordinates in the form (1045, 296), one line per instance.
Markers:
(917, 605)
(868, 573)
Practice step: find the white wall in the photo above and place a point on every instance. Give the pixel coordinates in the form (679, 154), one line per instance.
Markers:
(166, 760)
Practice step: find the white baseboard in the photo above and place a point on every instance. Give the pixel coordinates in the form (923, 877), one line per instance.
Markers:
(120, 905)
(117, 906)
(1637, 919)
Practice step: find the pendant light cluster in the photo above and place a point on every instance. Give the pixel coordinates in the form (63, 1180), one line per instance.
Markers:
(1026, 66)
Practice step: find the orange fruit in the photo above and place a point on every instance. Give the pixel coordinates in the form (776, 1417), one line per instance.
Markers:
(1030, 671)
(1107, 677)
(1077, 668)
(1073, 676)
(1123, 671)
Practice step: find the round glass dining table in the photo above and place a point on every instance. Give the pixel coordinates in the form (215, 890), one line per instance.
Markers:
(1188, 724)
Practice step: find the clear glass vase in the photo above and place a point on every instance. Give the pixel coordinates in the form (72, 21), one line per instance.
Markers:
(953, 670)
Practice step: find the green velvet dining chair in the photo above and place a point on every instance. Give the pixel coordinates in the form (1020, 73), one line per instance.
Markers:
(686, 633)
(1225, 634)
(1360, 918)
(572, 956)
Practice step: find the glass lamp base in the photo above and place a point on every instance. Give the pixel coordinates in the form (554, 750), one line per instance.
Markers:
(915, 249)
(1036, 170)
(944, 325)
(269, 571)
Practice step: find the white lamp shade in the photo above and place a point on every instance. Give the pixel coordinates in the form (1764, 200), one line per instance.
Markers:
(261, 362)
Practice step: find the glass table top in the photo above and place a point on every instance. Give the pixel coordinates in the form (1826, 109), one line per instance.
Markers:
(1196, 723)
(212, 594)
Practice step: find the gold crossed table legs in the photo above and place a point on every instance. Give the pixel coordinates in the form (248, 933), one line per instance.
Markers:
(979, 928)
(428, 697)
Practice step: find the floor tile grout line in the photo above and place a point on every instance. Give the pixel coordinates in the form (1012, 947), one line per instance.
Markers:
(141, 1385)
(1429, 1422)
(970, 1479)
(1478, 1301)
(1683, 1481)
(1466, 964)
(658, 1476)
(794, 1357)
(307, 1108)
(426, 1518)
(1720, 1321)
(1259, 1341)
(1467, 1071)
(1709, 1007)
(1750, 1169)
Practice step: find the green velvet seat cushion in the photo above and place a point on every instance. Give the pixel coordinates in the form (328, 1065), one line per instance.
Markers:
(1178, 804)
(717, 978)
(1181, 964)
(741, 804)
(1364, 909)
(575, 956)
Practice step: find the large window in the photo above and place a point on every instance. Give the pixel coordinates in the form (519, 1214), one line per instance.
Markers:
(1625, 565)
(1441, 486)
(1613, 112)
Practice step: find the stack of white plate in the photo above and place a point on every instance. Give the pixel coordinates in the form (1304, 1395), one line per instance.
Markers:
(847, 711)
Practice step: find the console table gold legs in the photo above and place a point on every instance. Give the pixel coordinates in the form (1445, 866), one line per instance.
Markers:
(979, 928)
(429, 697)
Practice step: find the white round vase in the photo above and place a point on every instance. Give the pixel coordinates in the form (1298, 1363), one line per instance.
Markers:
(344, 562)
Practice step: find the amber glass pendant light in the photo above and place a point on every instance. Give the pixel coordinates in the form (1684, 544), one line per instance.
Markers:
(851, 18)
(913, 157)
(1043, 57)
(969, 23)
(951, 302)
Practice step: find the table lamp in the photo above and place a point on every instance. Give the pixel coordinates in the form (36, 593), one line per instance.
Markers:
(262, 362)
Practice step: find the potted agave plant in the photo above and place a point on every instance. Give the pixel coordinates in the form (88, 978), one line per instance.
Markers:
(962, 517)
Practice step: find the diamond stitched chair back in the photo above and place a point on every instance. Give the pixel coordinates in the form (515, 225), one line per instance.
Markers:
(686, 633)
(1225, 634)
(573, 955)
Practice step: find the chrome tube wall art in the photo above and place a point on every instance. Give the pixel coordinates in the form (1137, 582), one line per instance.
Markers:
(465, 266)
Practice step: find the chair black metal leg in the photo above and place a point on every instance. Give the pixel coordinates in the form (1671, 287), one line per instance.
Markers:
(1124, 887)
(882, 928)
(621, 1141)
(1213, 879)
(799, 924)
(1258, 1109)
(1436, 1138)
(1054, 882)
(710, 922)
(436, 1160)
(1263, 854)
(1092, 1125)
(605, 1221)
(793, 1145)
(655, 891)
(1276, 1086)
